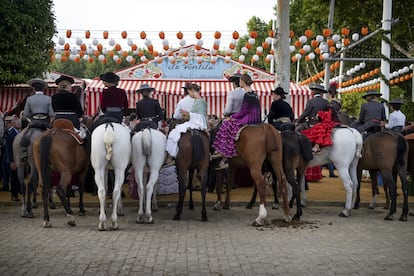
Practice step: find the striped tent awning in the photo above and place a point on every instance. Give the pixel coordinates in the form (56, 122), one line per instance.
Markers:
(169, 92)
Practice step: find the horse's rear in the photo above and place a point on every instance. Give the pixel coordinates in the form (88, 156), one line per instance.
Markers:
(148, 149)
(387, 152)
(110, 149)
(60, 150)
(193, 153)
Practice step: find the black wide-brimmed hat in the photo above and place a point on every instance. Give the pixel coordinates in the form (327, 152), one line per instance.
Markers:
(64, 78)
(396, 102)
(317, 88)
(234, 77)
(186, 86)
(37, 81)
(145, 87)
(279, 91)
(371, 93)
(109, 77)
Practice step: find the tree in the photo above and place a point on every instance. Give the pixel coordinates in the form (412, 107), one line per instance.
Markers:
(26, 30)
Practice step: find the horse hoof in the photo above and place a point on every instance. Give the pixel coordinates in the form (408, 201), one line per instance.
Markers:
(29, 215)
(176, 217)
(121, 214)
(296, 218)
(386, 207)
(256, 224)
(226, 207)
(82, 213)
(275, 206)
(403, 218)
(249, 206)
(389, 217)
(46, 224)
(35, 205)
(52, 206)
(217, 206)
(151, 221)
(344, 214)
(287, 219)
(72, 223)
(140, 220)
(114, 226)
(204, 219)
(411, 213)
(356, 206)
(371, 206)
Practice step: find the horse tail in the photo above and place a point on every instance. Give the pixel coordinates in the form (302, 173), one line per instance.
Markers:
(401, 148)
(196, 146)
(146, 142)
(359, 143)
(108, 139)
(305, 147)
(271, 138)
(44, 149)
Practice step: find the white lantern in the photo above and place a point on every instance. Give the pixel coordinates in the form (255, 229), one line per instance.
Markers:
(400, 71)
(233, 41)
(306, 48)
(200, 42)
(229, 51)
(325, 55)
(111, 42)
(255, 57)
(216, 41)
(79, 41)
(186, 59)
(101, 57)
(86, 57)
(251, 41)
(336, 37)
(214, 58)
(171, 58)
(395, 74)
(259, 49)
(130, 42)
(292, 48)
(406, 69)
(303, 39)
(298, 56)
(61, 41)
(357, 68)
(244, 50)
(269, 40)
(362, 65)
(269, 57)
(319, 38)
(165, 42)
(95, 42)
(105, 51)
(143, 58)
(412, 66)
(148, 42)
(338, 45)
(311, 56)
(58, 56)
(355, 36)
(242, 58)
(115, 58)
(89, 50)
(213, 52)
(227, 58)
(182, 42)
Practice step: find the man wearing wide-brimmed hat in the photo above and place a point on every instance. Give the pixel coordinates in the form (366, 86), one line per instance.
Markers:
(148, 111)
(38, 107)
(397, 118)
(372, 114)
(234, 97)
(280, 112)
(114, 100)
(185, 103)
(315, 104)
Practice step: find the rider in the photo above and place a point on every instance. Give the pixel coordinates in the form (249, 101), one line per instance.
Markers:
(114, 100)
(234, 97)
(397, 118)
(38, 108)
(372, 113)
(185, 103)
(249, 113)
(66, 104)
(281, 114)
(195, 119)
(315, 104)
(149, 111)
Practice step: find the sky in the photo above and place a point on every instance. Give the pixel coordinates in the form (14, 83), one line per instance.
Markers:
(153, 16)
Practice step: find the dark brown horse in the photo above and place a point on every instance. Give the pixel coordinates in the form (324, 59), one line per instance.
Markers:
(385, 152)
(57, 149)
(410, 158)
(257, 144)
(193, 153)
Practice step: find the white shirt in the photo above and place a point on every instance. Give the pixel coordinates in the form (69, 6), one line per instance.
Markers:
(397, 118)
(186, 104)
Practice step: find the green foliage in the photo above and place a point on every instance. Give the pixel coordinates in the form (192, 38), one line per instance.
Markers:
(26, 31)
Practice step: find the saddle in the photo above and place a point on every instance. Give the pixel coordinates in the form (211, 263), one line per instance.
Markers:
(67, 125)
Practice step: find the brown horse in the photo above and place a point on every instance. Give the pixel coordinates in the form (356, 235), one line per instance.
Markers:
(57, 149)
(385, 152)
(257, 144)
(410, 158)
(193, 153)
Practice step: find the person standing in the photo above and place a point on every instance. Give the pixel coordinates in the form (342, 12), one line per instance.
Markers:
(372, 113)
(148, 110)
(280, 114)
(195, 119)
(114, 100)
(66, 104)
(185, 103)
(315, 104)
(249, 113)
(234, 97)
(397, 118)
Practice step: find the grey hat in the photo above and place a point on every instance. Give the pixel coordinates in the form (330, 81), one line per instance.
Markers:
(317, 88)
(234, 77)
(38, 81)
(371, 93)
(144, 87)
(396, 101)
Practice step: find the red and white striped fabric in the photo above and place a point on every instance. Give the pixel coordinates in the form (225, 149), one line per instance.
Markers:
(12, 96)
(169, 92)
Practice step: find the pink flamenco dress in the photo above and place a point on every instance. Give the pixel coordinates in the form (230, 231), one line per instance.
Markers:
(320, 134)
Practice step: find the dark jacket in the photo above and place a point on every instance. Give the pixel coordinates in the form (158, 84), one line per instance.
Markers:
(312, 107)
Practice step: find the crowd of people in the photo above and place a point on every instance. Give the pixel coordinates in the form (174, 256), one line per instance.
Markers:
(242, 107)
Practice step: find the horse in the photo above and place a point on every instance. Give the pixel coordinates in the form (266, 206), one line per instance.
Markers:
(410, 158)
(148, 149)
(386, 152)
(25, 162)
(110, 149)
(61, 150)
(255, 145)
(296, 156)
(193, 153)
(344, 154)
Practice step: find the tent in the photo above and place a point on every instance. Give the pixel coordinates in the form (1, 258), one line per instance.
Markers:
(168, 74)
(13, 97)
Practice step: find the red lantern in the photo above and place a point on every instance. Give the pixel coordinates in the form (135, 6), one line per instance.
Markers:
(198, 35)
(105, 34)
(87, 34)
(253, 34)
(364, 30)
(142, 35)
(180, 35)
(345, 31)
(161, 35)
(68, 33)
(235, 35)
(217, 35)
(308, 33)
(124, 34)
(291, 34)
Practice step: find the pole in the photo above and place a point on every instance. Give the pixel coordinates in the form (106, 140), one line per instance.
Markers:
(386, 48)
(282, 54)
(272, 62)
(330, 27)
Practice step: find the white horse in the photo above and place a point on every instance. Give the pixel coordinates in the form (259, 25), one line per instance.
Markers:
(110, 149)
(344, 154)
(148, 149)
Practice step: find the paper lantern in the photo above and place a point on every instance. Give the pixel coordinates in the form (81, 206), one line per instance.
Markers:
(251, 41)
(271, 34)
(217, 35)
(364, 30)
(161, 35)
(235, 35)
(124, 34)
(198, 35)
(87, 34)
(345, 31)
(79, 41)
(180, 35)
(291, 34)
(355, 36)
(118, 47)
(142, 35)
(95, 42)
(319, 38)
(253, 34)
(242, 58)
(66, 47)
(61, 41)
(308, 33)
(99, 47)
(244, 50)
(68, 33)
(105, 34)
(326, 32)
(303, 39)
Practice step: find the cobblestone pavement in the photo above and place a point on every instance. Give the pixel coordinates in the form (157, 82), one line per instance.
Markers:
(322, 244)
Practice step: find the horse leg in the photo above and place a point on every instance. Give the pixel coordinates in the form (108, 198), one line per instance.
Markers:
(252, 199)
(190, 188)
(229, 185)
(116, 195)
(140, 181)
(65, 179)
(281, 180)
(389, 179)
(358, 188)
(204, 179)
(404, 185)
(149, 194)
(354, 179)
(275, 204)
(347, 182)
(100, 180)
(182, 178)
(290, 176)
(255, 172)
(374, 186)
(82, 177)
(219, 189)
(26, 207)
